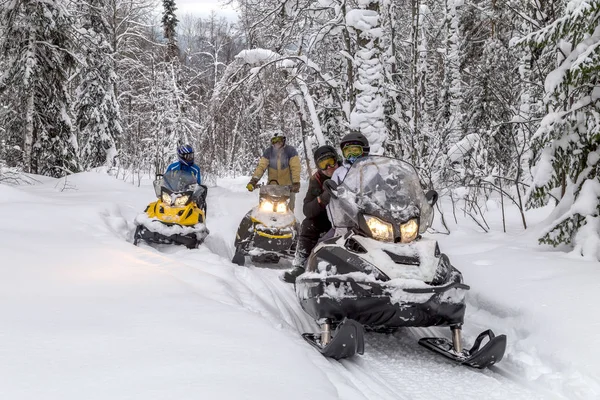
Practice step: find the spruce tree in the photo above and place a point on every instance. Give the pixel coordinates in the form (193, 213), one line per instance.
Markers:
(97, 109)
(38, 48)
(566, 146)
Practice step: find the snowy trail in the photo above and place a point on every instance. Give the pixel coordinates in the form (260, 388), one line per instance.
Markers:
(202, 300)
(393, 367)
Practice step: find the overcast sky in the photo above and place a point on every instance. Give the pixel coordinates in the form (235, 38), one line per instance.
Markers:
(203, 8)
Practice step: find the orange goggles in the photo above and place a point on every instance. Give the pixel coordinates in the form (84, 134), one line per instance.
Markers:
(326, 163)
(354, 150)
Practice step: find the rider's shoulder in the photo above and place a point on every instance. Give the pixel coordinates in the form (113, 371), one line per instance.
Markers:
(173, 166)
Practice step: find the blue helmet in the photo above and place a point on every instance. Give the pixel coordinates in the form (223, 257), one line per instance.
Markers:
(185, 154)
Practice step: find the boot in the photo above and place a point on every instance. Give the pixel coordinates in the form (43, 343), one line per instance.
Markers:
(291, 275)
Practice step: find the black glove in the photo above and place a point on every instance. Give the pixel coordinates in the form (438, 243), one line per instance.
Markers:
(296, 187)
(252, 184)
(325, 197)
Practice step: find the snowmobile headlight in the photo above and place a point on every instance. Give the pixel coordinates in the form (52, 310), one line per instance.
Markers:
(166, 198)
(181, 200)
(409, 231)
(380, 230)
(266, 206)
(282, 207)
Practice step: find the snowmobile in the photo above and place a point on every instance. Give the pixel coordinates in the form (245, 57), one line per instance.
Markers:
(269, 230)
(178, 216)
(379, 273)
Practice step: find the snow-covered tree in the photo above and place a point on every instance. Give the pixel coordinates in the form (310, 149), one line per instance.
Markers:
(169, 21)
(96, 107)
(38, 49)
(368, 113)
(566, 145)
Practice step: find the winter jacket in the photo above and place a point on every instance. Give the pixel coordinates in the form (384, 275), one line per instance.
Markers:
(194, 169)
(314, 207)
(341, 172)
(283, 165)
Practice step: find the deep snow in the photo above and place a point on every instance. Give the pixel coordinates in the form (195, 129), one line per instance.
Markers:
(85, 314)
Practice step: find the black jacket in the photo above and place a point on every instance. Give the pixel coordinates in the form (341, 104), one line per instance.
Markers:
(312, 207)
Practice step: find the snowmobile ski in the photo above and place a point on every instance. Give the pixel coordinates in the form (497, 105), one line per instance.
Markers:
(347, 340)
(486, 356)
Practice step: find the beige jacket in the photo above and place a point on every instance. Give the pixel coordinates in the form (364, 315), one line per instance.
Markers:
(283, 165)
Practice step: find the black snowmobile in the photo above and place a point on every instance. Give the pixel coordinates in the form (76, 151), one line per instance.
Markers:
(178, 216)
(379, 273)
(269, 230)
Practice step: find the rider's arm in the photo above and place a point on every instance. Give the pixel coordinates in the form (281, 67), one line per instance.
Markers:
(294, 165)
(262, 166)
(172, 167)
(198, 174)
(312, 207)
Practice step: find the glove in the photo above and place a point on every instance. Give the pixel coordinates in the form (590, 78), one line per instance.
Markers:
(296, 187)
(250, 186)
(325, 197)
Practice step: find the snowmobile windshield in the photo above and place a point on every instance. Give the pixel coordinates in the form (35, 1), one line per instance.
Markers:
(383, 187)
(274, 192)
(179, 181)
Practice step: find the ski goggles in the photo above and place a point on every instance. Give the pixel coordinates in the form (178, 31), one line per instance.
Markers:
(189, 157)
(353, 150)
(276, 140)
(326, 162)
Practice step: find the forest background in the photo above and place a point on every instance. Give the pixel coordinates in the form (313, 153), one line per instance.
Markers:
(488, 99)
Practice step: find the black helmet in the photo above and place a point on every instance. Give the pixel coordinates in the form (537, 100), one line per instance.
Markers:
(324, 151)
(358, 138)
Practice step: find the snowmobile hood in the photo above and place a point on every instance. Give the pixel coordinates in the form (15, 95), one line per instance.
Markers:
(383, 187)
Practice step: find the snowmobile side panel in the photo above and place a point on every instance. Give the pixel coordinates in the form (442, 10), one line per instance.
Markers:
(348, 340)
(379, 311)
(190, 241)
(239, 258)
(486, 356)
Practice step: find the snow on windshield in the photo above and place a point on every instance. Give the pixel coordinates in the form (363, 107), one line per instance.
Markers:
(382, 186)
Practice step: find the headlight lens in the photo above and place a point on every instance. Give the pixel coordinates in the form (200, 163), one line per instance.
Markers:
(380, 230)
(166, 198)
(266, 206)
(181, 200)
(409, 231)
(282, 207)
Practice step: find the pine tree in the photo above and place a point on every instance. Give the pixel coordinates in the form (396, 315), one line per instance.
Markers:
(566, 145)
(38, 47)
(97, 109)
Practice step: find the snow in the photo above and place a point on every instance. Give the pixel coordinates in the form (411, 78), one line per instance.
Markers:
(85, 314)
(257, 56)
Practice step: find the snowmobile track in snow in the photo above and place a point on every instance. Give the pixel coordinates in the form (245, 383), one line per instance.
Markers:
(394, 366)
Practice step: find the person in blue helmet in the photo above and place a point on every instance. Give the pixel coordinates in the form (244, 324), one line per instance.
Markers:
(185, 154)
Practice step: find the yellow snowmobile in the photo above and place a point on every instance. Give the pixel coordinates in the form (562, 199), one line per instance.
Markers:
(179, 214)
(269, 230)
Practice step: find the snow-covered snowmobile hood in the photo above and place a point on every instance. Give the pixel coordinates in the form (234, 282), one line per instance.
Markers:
(383, 187)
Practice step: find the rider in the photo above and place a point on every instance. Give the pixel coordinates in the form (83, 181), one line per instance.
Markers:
(185, 154)
(283, 166)
(316, 222)
(354, 146)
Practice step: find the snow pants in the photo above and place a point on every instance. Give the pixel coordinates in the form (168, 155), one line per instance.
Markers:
(310, 231)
